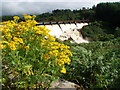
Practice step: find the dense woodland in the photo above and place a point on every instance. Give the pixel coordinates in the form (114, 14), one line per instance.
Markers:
(95, 64)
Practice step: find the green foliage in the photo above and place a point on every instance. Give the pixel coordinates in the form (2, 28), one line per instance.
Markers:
(117, 32)
(62, 14)
(98, 31)
(109, 12)
(67, 14)
(95, 65)
(88, 14)
(5, 18)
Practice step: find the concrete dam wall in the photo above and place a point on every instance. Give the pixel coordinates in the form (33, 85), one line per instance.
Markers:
(67, 31)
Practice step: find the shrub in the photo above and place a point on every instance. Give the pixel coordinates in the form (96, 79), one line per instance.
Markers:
(95, 65)
(31, 57)
(117, 32)
(99, 31)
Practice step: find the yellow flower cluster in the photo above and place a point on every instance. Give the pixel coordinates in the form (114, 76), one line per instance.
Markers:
(28, 16)
(9, 24)
(11, 44)
(60, 51)
(16, 35)
(16, 18)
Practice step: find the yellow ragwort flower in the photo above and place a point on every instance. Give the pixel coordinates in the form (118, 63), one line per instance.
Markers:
(2, 46)
(12, 45)
(63, 70)
(27, 47)
(16, 18)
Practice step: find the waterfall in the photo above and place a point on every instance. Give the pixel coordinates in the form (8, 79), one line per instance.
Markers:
(67, 31)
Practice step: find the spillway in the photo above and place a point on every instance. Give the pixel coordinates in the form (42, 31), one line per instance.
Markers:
(63, 27)
(56, 31)
(66, 31)
(50, 27)
(73, 26)
(68, 26)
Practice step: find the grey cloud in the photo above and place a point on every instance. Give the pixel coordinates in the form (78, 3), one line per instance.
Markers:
(15, 8)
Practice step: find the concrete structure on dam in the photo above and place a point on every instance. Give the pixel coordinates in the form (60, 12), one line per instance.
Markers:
(66, 30)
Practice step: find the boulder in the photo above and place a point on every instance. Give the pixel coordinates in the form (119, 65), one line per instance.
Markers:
(64, 84)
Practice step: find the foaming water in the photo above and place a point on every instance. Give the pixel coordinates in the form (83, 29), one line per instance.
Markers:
(80, 25)
(66, 31)
(55, 31)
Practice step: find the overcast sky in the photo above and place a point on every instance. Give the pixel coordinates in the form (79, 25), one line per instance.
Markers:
(19, 7)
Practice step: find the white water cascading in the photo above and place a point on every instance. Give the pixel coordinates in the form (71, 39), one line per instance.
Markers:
(55, 30)
(67, 31)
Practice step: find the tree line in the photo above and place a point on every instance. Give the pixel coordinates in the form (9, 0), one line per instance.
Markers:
(61, 14)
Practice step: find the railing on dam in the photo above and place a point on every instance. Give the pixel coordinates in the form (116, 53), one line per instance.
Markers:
(62, 22)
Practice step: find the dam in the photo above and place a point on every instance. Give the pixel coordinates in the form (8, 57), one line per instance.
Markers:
(66, 30)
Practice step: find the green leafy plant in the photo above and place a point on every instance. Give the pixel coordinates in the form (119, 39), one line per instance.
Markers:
(95, 65)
